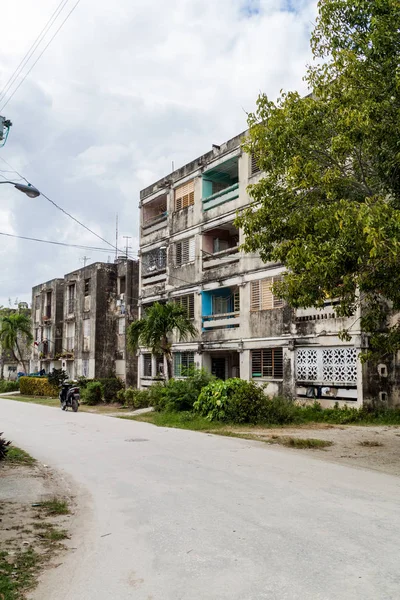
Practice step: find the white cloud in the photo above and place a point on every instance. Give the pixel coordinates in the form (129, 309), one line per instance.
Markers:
(125, 89)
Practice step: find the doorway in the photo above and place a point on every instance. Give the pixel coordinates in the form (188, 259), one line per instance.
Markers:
(218, 367)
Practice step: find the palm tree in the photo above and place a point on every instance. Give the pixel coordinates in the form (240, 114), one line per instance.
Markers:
(155, 330)
(14, 329)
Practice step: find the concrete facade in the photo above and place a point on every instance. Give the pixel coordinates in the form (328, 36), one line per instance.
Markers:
(93, 307)
(189, 251)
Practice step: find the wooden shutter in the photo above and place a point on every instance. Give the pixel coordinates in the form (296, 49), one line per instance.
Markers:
(236, 301)
(255, 295)
(278, 302)
(191, 249)
(277, 363)
(184, 195)
(267, 363)
(254, 168)
(191, 306)
(178, 253)
(267, 299)
(256, 370)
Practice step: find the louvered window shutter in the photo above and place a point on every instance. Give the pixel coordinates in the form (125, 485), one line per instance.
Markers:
(191, 249)
(255, 295)
(267, 300)
(184, 195)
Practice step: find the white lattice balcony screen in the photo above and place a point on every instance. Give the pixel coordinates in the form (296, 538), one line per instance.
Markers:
(327, 365)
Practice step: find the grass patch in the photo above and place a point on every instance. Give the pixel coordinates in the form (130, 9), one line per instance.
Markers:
(17, 573)
(370, 444)
(16, 456)
(55, 507)
(53, 535)
(33, 400)
(179, 420)
(302, 443)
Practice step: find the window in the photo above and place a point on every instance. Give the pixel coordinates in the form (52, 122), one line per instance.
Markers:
(159, 365)
(37, 302)
(261, 294)
(86, 327)
(146, 365)
(184, 251)
(122, 285)
(254, 168)
(187, 303)
(267, 363)
(184, 195)
(85, 367)
(183, 361)
(154, 261)
(87, 287)
(71, 298)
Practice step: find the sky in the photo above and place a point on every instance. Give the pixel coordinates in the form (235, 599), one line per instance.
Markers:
(125, 89)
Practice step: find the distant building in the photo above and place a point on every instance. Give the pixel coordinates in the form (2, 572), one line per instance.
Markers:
(190, 254)
(80, 321)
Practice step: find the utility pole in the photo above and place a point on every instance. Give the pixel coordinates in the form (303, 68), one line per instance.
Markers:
(84, 259)
(116, 237)
(127, 237)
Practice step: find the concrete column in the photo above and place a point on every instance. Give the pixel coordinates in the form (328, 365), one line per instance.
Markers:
(244, 365)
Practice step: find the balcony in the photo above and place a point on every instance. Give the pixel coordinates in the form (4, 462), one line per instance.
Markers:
(221, 309)
(154, 262)
(221, 184)
(154, 213)
(220, 246)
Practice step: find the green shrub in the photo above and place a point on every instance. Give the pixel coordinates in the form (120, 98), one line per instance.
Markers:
(57, 377)
(139, 398)
(121, 396)
(8, 386)
(93, 393)
(37, 386)
(111, 387)
(4, 447)
(180, 394)
(239, 401)
(83, 381)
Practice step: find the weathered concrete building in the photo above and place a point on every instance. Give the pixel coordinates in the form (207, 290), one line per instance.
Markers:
(189, 248)
(92, 308)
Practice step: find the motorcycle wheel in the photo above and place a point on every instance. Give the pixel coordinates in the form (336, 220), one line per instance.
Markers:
(74, 404)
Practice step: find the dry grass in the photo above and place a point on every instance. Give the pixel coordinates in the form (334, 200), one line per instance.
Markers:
(370, 444)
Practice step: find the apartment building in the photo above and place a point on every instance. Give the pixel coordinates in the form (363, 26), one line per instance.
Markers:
(92, 308)
(190, 254)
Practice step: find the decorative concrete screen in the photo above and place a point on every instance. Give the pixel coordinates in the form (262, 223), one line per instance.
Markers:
(327, 365)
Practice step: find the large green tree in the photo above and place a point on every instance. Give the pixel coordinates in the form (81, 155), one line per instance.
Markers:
(328, 205)
(157, 327)
(15, 333)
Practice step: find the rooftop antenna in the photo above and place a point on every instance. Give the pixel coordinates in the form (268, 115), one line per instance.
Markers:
(127, 237)
(116, 236)
(85, 259)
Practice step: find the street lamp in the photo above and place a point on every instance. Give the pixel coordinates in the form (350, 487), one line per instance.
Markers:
(29, 189)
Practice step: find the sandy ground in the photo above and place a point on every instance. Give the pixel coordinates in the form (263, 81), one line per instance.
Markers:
(347, 445)
(22, 487)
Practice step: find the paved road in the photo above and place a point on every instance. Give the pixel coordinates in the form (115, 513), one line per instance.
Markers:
(198, 517)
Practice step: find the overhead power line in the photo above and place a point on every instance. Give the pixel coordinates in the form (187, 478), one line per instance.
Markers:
(80, 246)
(32, 49)
(40, 55)
(64, 211)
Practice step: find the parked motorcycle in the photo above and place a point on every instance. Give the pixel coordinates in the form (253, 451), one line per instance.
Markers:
(69, 396)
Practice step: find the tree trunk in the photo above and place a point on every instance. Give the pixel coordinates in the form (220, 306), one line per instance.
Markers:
(20, 358)
(168, 358)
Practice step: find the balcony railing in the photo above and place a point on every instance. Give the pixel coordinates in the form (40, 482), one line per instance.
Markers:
(149, 221)
(229, 193)
(70, 343)
(218, 259)
(231, 319)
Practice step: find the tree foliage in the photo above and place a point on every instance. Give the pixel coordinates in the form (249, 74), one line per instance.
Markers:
(15, 331)
(327, 206)
(156, 328)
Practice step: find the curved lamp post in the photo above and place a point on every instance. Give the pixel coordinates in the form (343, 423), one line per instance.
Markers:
(28, 189)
